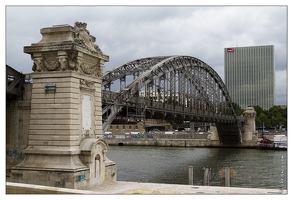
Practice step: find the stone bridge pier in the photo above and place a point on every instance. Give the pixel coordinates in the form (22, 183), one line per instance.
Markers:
(248, 130)
(65, 145)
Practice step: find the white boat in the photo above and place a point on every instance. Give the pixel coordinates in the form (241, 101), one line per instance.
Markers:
(279, 143)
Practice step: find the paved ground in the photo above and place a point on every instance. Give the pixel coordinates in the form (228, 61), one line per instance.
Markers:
(153, 188)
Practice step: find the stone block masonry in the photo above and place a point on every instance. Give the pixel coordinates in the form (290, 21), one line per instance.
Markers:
(65, 146)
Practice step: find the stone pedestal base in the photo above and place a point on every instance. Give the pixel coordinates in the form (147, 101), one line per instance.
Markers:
(88, 167)
(51, 170)
(54, 178)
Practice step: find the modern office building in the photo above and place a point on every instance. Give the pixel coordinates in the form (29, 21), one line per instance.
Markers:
(249, 75)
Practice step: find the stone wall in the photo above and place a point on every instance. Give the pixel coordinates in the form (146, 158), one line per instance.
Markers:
(110, 172)
(164, 142)
(18, 115)
(17, 128)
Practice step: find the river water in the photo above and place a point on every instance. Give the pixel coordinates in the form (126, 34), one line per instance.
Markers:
(254, 168)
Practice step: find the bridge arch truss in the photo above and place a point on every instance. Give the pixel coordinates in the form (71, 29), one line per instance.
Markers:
(171, 87)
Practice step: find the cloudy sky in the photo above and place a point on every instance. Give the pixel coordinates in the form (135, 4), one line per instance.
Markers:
(127, 33)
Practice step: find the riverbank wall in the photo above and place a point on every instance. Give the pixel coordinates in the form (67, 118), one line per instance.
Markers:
(176, 143)
(183, 140)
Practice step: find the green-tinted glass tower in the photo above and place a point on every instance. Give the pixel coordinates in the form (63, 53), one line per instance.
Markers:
(249, 75)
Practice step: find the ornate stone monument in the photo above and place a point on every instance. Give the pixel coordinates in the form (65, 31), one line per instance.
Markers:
(65, 147)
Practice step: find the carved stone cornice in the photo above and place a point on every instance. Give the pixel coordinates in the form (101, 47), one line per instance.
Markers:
(72, 46)
(63, 48)
(48, 47)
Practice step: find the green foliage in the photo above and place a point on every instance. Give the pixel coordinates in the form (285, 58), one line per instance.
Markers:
(274, 117)
(175, 122)
(239, 111)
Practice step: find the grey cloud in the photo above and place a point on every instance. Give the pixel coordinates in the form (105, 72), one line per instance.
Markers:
(126, 33)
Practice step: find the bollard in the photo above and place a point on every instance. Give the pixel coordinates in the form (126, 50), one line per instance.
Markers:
(227, 177)
(207, 176)
(190, 175)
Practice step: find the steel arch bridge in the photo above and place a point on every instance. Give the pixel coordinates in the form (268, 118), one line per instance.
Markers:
(171, 87)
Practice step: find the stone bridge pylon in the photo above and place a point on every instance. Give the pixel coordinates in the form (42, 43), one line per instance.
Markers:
(65, 147)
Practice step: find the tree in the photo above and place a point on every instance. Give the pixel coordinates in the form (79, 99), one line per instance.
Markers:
(274, 117)
(258, 110)
(278, 116)
(237, 109)
(263, 120)
(174, 121)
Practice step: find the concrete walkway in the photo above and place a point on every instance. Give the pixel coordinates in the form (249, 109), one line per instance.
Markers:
(135, 188)
(119, 187)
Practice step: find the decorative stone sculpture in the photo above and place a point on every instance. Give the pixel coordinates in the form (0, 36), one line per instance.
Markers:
(68, 48)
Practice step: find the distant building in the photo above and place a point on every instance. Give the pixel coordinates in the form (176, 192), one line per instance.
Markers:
(122, 126)
(249, 75)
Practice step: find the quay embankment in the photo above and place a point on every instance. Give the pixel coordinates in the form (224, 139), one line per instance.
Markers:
(182, 140)
(119, 187)
(176, 143)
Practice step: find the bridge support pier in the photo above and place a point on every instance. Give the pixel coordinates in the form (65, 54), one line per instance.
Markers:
(65, 147)
(250, 134)
(213, 134)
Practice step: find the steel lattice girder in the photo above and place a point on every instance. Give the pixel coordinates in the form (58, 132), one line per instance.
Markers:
(129, 68)
(203, 86)
(14, 82)
(164, 67)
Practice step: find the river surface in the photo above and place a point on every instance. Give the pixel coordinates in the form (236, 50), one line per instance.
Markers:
(254, 168)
